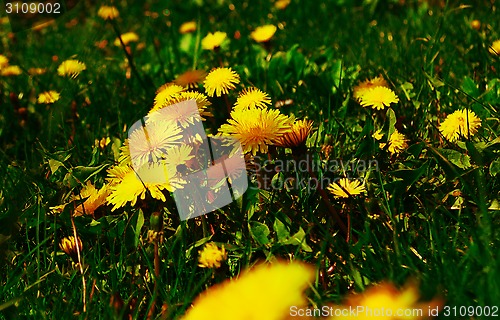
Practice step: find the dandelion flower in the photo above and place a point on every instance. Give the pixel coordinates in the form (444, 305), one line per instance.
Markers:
(252, 97)
(165, 93)
(297, 135)
(108, 12)
(93, 199)
(71, 68)
(127, 38)
(377, 135)
(68, 245)
(126, 185)
(213, 40)
(345, 188)
(263, 33)
(397, 142)
(220, 80)
(4, 61)
(266, 292)
(463, 123)
(150, 143)
(281, 4)
(201, 101)
(187, 27)
(495, 48)
(211, 256)
(475, 24)
(36, 71)
(257, 128)
(387, 297)
(378, 98)
(48, 97)
(190, 79)
(364, 86)
(11, 71)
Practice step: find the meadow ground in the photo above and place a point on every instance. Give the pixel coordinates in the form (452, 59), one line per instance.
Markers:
(370, 136)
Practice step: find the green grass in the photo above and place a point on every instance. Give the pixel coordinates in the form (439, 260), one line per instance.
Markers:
(404, 228)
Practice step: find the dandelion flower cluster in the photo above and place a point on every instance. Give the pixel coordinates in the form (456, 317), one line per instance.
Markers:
(108, 12)
(48, 97)
(263, 33)
(211, 256)
(378, 98)
(213, 40)
(460, 123)
(220, 80)
(252, 97)
(257, 128)
(345, 188)
(165, 93)
(266, 292)
(71, 68)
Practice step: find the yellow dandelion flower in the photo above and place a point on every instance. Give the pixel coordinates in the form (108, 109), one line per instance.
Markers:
(71, 68)
(48, 97)
(257, 128)
(211, 256)
(263, 33)
(127, 38)
(220, 80)
(397, 142)
(93, 199)
(11, 71)
(475, 24)
(4, 61)
(252, 97)
(377, 135)
(126, 185)
(201, 101)
(165, 93)
(150, 143)
(297, 135)
(345, 188)
(281, 4)
(364, 86)
(213, 40)
(108, 12)
(495, 48)
(266, 292)
(387, 297)
(68, 245)
(187, 27)
(461, 123)
(378, 98)
(179, 155)
(36, 71)
(190, 79)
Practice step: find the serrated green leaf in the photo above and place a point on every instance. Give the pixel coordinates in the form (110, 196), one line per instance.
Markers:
(55, 165)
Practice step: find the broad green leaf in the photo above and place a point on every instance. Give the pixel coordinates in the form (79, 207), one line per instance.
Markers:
(457, 158)
(55, 165)
(281, 230)
(259, 232)
(392, 121)
(495, 167)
